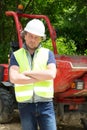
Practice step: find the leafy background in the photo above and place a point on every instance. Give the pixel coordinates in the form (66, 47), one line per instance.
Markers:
(68, 17)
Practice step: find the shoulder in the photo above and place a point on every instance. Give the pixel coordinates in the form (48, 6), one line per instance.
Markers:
(13, 60)
(44, 49)
(51, 57)
(18, 51)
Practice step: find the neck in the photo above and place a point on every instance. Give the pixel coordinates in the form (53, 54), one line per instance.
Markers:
(31, 51)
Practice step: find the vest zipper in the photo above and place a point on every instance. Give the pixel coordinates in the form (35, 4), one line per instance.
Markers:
(30, 60)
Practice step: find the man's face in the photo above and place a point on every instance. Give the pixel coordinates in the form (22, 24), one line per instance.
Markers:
(32, 41)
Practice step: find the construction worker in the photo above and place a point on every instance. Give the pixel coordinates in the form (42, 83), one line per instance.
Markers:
(32, 70)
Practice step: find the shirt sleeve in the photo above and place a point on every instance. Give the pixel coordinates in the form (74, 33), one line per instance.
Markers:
(51, 58)
(13, 61)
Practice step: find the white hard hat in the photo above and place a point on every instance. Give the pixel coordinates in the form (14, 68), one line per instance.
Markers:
(36, 27)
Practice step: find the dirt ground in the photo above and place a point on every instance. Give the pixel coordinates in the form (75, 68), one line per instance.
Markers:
(15, 125)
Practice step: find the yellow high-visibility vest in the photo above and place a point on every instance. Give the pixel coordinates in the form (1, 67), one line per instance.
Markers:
(24, 92)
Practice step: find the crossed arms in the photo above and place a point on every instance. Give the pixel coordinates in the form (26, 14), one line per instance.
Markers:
(31, 76)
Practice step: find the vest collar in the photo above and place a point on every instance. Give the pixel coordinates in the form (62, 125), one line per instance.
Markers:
(25, 47)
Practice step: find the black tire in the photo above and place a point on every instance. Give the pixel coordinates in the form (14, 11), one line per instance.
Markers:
(6, 106)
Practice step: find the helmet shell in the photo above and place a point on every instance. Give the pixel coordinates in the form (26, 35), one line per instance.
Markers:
(35, 27)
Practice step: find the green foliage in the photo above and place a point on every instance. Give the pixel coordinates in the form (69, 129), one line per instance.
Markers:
(4, 49)
(85, 52)
(69, 18)
(64, 46)
(72, 22)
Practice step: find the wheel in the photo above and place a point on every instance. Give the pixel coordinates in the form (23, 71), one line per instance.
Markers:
(6, 106)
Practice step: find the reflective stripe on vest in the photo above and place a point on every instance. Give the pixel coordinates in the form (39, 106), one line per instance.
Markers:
(43, 88)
